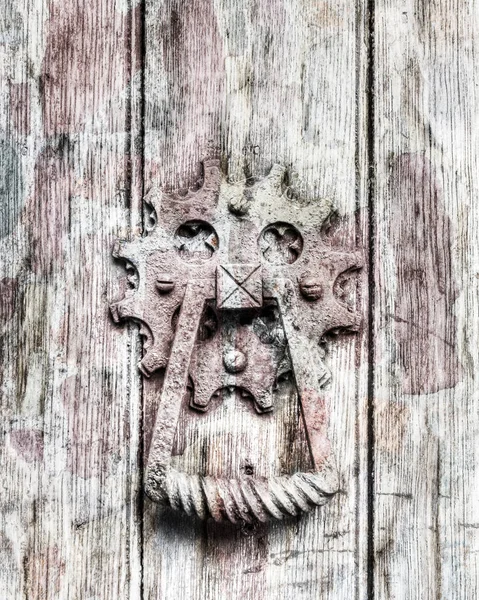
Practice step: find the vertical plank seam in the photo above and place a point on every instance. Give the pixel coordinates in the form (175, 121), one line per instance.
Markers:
(136, 185)
(371, 189)
(129, 178)
(141, 142)
(361, 234)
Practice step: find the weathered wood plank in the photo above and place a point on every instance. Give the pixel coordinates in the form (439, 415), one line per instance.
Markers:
(426, 302)
(69, 407)
(257, 84)
(254, 84)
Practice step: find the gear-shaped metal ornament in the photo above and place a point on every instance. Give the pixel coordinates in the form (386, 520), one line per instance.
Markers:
(211, 258)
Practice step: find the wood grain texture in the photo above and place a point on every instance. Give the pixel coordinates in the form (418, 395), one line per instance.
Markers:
(426, 301)
(69, 397)
(253, 84)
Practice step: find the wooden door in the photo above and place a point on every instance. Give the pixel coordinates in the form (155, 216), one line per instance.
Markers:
(370, 107)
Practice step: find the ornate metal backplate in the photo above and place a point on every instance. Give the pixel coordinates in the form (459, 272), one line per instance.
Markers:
(210, 260)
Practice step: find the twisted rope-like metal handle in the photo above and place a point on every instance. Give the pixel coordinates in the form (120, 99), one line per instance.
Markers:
(246, 499)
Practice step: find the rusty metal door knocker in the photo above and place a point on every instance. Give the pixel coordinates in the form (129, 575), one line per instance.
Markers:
(235, 249)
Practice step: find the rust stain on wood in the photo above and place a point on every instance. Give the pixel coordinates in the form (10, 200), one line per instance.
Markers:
(28, 443)
(426, 289)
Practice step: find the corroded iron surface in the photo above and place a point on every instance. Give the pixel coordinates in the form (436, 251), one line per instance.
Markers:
(235, 287)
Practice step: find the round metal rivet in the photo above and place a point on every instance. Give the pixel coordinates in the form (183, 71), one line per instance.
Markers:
(165, 284)
(234, 361)
(310, 287)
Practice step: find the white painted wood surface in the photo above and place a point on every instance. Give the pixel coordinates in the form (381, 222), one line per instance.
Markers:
(426, 300)
(70, 400)
(253, 83)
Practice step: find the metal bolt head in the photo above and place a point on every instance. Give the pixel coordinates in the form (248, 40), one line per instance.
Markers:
(165, 283)
(310, 287)
(239, 206)
(234, 361)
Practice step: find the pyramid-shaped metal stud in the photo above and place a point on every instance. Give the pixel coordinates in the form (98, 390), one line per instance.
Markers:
(239, 286)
